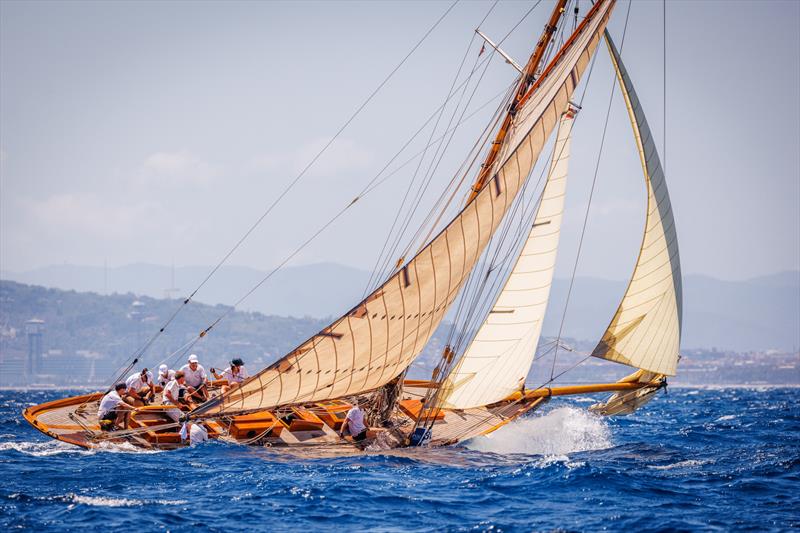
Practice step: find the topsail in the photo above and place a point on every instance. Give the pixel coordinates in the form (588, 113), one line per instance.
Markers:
(646, 329)
(379, 338)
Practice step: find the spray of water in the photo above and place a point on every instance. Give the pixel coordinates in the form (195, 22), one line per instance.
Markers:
(559, 432)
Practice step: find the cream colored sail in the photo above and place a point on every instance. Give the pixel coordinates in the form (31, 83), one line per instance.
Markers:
(379, 338)
(498, 359)
(646, 329)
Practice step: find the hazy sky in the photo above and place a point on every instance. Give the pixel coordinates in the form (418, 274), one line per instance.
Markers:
(158, 132)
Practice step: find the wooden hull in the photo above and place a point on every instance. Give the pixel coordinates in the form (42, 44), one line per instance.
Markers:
(74, 420)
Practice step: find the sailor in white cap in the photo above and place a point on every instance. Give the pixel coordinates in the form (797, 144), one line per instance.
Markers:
(165, 375)
(140, 388)
(195, 379)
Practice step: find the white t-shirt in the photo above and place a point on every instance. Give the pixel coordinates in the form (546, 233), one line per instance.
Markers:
(135, 381)
(163, 380)
(234, 378)
(173, 388)
(356, 424)
(194, 377)
(109, 402)
(197, 434)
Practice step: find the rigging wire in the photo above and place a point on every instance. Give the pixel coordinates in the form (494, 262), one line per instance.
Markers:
(591, 196)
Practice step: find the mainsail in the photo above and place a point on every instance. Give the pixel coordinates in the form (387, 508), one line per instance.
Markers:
(379, 338)
(499, 358)
(646, 329)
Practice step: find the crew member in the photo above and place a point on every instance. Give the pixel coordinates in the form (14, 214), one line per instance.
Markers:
(140, 388)
(165, 375)
(114, 411)
(197, 434)
(354, 424)
(175, 394)
(234, 374)
(196, 382)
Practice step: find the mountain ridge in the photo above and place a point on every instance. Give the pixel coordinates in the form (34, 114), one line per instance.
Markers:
(754, 314)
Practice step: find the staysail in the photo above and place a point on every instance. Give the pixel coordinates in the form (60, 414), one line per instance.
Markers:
(498, 359)
(379, 338)
(646, 329)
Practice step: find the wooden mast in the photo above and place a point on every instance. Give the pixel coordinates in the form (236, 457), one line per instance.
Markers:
(528, 77)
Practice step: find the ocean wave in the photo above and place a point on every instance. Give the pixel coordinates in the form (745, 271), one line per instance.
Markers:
(103, 501)
(689, 463)
(559, 432)
(56, 447)
(123, 447)
(42, 449)
(96, 501)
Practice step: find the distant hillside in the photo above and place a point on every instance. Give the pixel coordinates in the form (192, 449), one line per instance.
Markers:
(86, 336)
(757, 314)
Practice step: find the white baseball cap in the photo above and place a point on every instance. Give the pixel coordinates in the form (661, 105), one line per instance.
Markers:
(193, 359)
(163, 368)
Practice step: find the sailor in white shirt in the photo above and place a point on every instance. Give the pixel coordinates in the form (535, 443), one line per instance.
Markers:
(354, 424)
(195, 379)
(234, 374)
(140, 388)
(174, 395)
(165, 375)
(114, 410)
(194, 432)
(197, 434)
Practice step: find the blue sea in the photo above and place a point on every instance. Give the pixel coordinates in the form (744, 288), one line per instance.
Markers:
(726, 459)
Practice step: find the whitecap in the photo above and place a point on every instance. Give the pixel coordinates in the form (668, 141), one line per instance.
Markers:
(584, 400)
(689, 463)
(557, 433)
(123, 447)
(104, 501)
(101, 501)
(42, 449)
(726, 417)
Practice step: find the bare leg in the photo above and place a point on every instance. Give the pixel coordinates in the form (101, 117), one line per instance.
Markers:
(122, 419)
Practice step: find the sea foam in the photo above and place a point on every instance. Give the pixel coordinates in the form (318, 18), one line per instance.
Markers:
(559, 432)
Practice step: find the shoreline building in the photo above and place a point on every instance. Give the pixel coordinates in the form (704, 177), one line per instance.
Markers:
(34, 329)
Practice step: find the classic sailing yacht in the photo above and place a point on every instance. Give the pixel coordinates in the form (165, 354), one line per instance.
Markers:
(479, 385)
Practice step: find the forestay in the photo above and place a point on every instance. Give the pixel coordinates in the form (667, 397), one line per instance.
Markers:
(646, 329)
(499, 358)
(374, 342)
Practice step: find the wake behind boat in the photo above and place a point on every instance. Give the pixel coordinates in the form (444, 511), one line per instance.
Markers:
(309, 396)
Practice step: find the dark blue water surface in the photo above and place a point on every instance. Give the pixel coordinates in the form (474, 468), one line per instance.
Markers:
(693, 459)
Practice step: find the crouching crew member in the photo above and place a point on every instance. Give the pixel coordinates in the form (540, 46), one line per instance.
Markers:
(354, 424)
(175, 394)
(165, 375)
(195, 379)
(141, 389)
(114, 411)
(234, 375)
